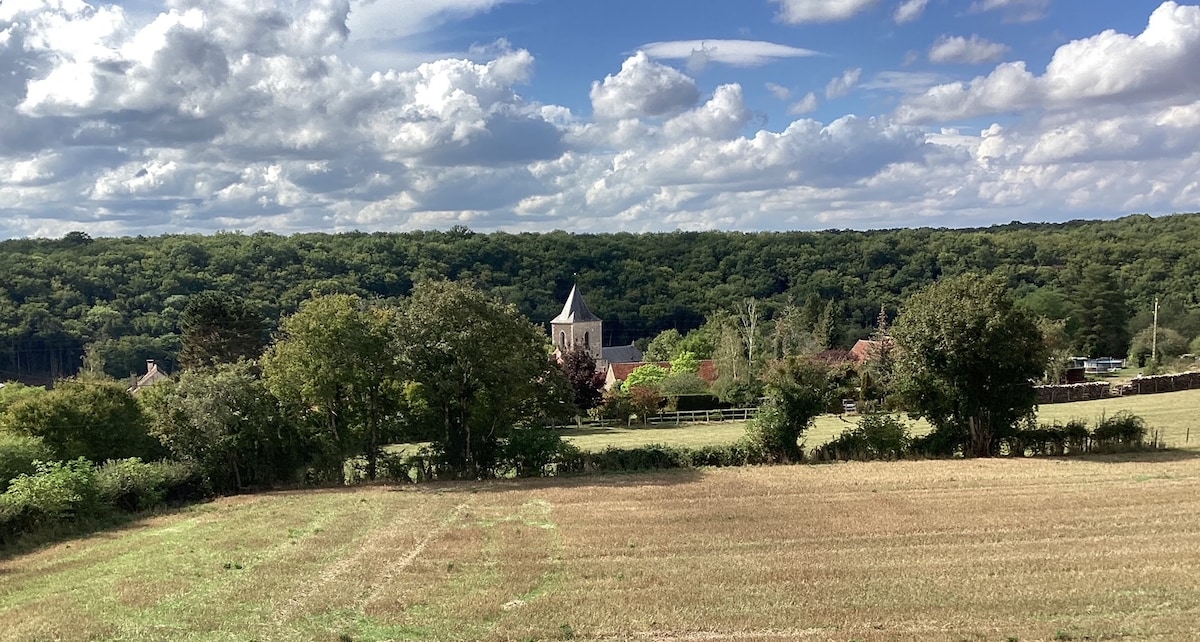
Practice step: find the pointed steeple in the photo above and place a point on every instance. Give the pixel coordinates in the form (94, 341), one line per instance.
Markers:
(575, 310)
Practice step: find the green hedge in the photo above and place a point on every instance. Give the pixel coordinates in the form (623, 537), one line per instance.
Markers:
(882, 437)
(57, 494)
(18, 454)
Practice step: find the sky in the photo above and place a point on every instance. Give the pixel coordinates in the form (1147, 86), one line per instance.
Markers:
(152, 117)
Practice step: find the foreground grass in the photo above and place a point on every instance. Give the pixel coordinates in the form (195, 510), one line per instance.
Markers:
(1175, 415)
(1043, 549)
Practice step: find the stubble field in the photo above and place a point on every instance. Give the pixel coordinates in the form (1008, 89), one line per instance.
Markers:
(1070, 549)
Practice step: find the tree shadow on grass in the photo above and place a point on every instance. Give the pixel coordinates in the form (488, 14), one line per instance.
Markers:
(108, 526)
(1165, 455)
(608, 479)
(610, 430)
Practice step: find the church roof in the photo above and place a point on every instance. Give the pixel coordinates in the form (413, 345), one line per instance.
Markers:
(575, 310)
(621, 354)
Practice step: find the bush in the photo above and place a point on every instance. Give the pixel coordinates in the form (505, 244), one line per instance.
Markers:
(529, 452)
(134, 485)
(878, 436)
(56, 491)
(943, 441)
(1122, 430)
(18, 454)
(95, 419)
(1077, 435)
(60, 492)
(1033, 439)
(651, 457)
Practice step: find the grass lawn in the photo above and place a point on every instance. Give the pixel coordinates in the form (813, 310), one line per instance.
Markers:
(1037, 549)
(1171, 414)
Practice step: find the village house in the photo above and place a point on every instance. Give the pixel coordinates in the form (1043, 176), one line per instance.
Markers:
(153, 375)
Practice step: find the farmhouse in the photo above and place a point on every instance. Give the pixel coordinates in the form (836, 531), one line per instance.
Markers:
(153, 375)
(576, 326)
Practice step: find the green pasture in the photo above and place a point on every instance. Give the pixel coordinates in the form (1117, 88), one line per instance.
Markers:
(1175, 416)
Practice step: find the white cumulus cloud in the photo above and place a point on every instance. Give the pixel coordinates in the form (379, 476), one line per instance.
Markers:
(842, 85)
(643, 88)
(1158, 64)
(804, 105)
(801, 11)
(252, 114)
(909, 10)
(971, 51)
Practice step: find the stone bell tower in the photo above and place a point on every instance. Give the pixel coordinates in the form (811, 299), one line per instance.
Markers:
(577, 326)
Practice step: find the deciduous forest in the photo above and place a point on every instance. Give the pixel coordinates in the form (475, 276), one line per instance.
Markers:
(119, 301)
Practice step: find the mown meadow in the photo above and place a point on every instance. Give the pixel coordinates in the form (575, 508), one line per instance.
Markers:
(1033, 549)
(1072, 548)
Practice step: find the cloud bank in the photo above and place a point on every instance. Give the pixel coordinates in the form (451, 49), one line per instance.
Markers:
(247, 115)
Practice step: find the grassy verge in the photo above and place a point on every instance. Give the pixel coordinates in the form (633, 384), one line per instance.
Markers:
(1089, 548)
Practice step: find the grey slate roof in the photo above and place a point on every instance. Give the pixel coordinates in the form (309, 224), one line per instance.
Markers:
(622, 354)
(575, 310)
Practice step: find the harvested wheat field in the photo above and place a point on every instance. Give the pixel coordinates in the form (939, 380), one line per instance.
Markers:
(1070, 549)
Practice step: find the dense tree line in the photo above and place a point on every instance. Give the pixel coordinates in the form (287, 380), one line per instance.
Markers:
(124, 300)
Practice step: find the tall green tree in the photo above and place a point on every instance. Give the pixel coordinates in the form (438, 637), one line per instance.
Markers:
(647, 375)
(1103, 313)
(225, 420)
(219, 328)
(738, 356)
(663, 346)
(478, 368)
(1168, 342)
(798, 389)
(336, 364)
(967, 358)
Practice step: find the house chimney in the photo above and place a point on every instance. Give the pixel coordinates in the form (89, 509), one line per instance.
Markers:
(151, 367)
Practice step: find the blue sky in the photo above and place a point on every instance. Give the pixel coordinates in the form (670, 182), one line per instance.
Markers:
(151, 116)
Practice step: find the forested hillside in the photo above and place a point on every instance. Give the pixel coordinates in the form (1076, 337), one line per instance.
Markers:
(123, 296)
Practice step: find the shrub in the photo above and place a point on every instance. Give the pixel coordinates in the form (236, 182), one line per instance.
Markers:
(56, 490)
(797, 391)
(651, 457)
(18, 454)
(394, 467)
(614, 405)
(133, 485)
(942, 441)
(886, 435)
(1033, 439)
(849, 445)
(1077, 435)
(1123, 430)
(878, 436)
(529, 452)
(130, 484)
(96, 419)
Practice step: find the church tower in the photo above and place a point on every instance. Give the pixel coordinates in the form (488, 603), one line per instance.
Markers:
(577, 326)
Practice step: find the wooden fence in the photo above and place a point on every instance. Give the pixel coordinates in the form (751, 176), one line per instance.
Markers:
(705, 416)
(671, 418)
